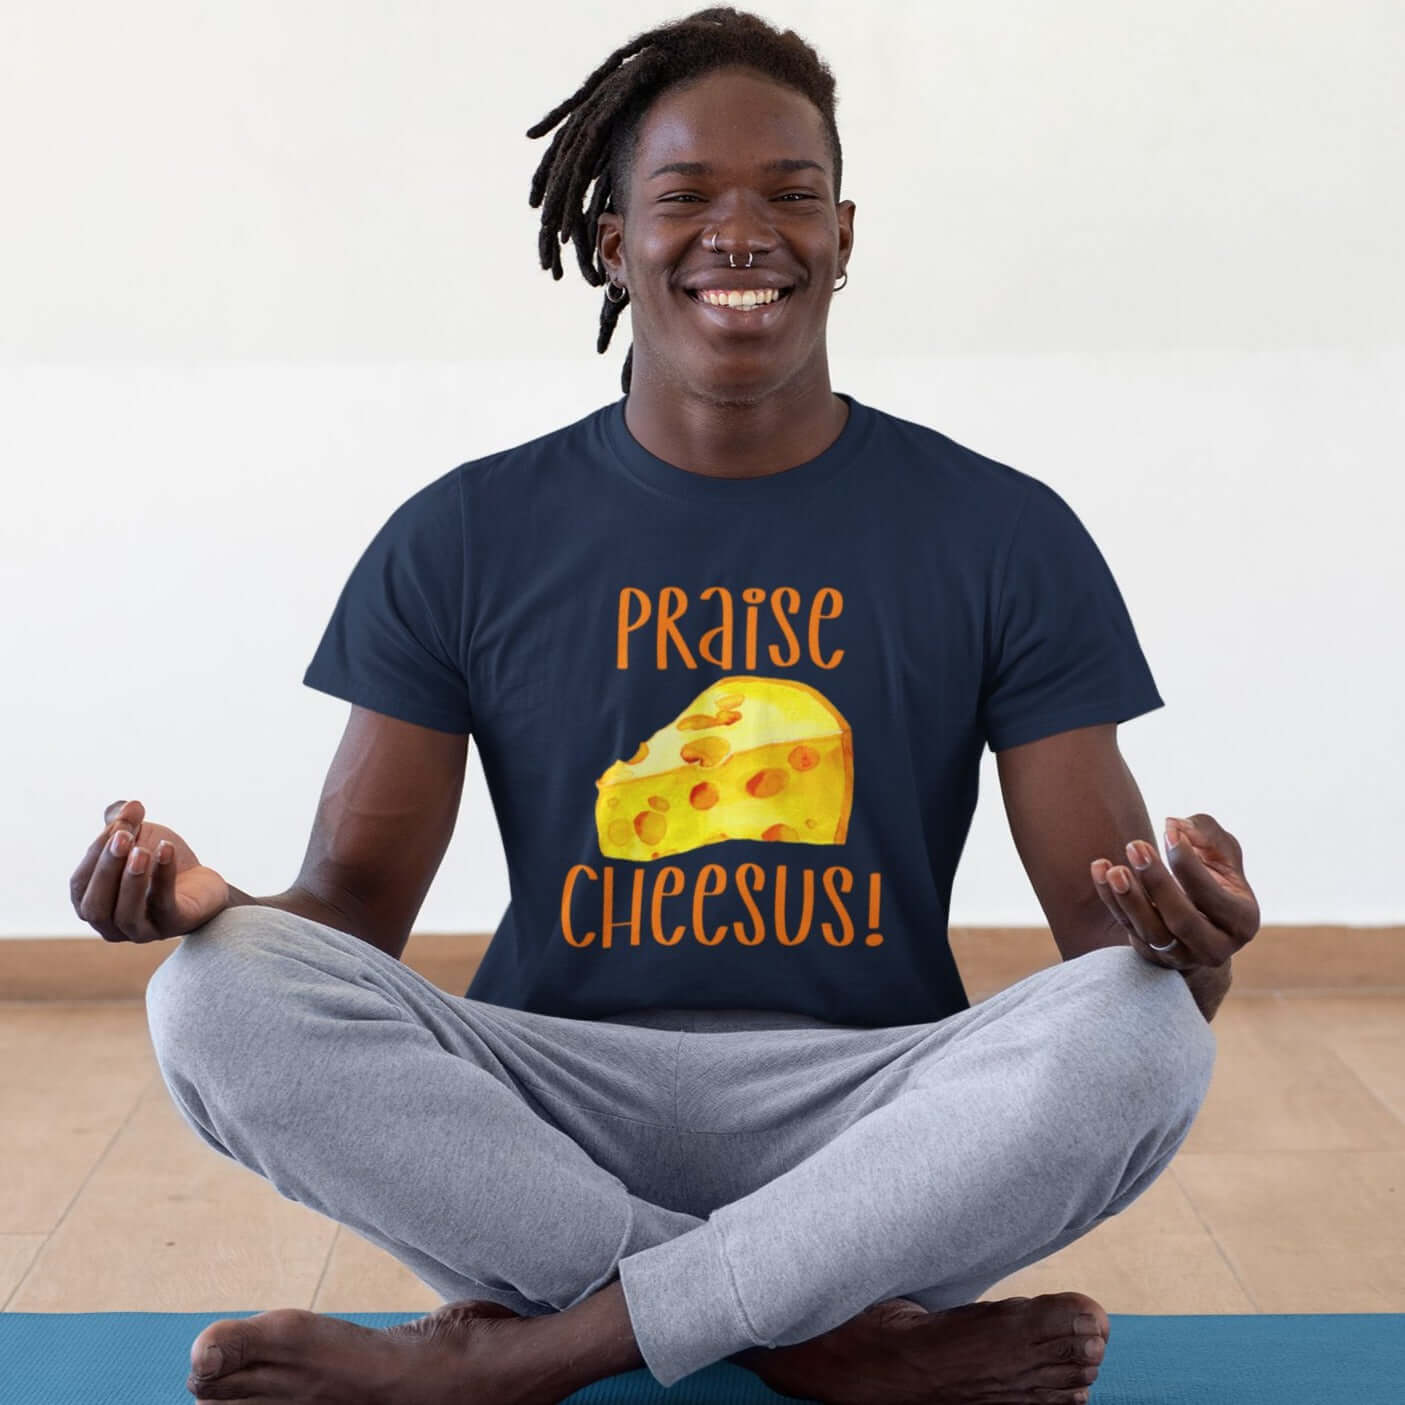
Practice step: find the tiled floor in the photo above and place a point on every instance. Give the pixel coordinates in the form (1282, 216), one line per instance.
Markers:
(1288, 1196)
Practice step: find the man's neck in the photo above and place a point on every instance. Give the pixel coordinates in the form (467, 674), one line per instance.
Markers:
(737, 440)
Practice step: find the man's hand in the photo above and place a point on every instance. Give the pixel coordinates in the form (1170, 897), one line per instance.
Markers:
(1202, 902)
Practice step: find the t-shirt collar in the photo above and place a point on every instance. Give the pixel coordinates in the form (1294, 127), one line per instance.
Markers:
(656, 473)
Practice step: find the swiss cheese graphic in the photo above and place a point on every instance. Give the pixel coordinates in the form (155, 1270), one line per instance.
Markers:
(748, 758)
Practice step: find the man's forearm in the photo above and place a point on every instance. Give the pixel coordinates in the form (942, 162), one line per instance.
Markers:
(305, 904)
(1209, 985)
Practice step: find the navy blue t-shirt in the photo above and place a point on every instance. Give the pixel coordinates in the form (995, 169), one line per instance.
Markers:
(732, 727)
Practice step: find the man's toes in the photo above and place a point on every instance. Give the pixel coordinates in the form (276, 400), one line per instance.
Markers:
(1064, 1377)
(260, 1383)
(220, 1348)
(1059, 1314)
(1081, 1349)
(1082, 1305)
(241, 1342)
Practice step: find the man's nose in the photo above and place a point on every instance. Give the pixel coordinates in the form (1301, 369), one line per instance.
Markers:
(742, 221)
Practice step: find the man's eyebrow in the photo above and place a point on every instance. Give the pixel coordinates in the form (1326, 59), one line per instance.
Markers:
(702, 168)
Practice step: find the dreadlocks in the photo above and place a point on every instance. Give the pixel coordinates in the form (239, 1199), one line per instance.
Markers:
(597, 142)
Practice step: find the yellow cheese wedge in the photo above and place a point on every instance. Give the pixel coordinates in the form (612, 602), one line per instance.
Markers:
(749, 758)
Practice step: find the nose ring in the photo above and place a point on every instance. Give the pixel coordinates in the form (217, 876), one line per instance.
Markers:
(730, 263)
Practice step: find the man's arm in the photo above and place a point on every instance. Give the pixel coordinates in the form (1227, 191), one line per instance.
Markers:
(383, 824)
(1070, 799)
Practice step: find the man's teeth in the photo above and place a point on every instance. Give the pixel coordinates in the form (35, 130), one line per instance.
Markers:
(733, 297)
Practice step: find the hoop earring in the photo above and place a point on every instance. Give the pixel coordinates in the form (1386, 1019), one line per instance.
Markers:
(842, 281)
(624, 292)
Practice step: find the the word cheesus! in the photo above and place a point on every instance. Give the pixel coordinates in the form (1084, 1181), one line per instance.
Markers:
(586, 887)
(718, 645)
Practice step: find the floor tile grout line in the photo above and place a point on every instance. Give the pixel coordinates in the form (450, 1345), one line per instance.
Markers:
(1214, 1238)
(83, 1185)
(34, 1258)
(1322, 1042)
(326, 1264)
(1395, 1118)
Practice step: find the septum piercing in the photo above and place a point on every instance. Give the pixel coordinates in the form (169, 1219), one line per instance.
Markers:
(749, 254)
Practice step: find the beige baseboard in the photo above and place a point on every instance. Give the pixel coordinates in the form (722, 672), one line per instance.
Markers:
(989, 958)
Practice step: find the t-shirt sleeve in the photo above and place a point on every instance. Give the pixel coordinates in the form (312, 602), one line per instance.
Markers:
(395, 642)
(1063, 652)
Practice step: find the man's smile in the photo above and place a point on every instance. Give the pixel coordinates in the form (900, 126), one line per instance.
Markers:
(756, 307)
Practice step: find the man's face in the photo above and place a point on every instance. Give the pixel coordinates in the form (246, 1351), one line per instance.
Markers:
(735, 123)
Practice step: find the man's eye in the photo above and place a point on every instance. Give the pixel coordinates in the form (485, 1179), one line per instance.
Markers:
(683, 195)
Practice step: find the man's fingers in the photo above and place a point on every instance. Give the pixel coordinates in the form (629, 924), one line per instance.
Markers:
(1217, 888)
(1214, 845)
(121, 812)
(1105, 891)
(1198, 896)
(1161, 909)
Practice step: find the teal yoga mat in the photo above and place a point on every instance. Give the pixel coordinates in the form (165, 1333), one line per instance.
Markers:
(141, 1358)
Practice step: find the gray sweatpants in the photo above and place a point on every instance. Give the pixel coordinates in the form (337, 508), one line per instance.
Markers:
(753, 1178)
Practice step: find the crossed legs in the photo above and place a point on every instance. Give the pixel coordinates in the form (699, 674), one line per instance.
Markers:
(964, 1151)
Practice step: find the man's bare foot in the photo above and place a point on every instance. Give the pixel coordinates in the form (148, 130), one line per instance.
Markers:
(465, 1352)
(1019, 1351)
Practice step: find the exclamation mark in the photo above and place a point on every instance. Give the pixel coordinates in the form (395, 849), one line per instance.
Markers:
(875, 902)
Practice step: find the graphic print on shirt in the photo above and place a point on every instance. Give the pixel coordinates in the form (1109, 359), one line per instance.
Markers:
(749, 758)
(752, 756)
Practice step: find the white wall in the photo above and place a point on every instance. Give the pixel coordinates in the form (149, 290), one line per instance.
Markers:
(269, 268)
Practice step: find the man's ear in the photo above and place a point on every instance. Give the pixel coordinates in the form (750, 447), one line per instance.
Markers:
(609, 232)
(845, 211)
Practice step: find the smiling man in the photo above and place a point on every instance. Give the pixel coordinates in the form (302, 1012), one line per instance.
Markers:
(728, 268)
(731, 648)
